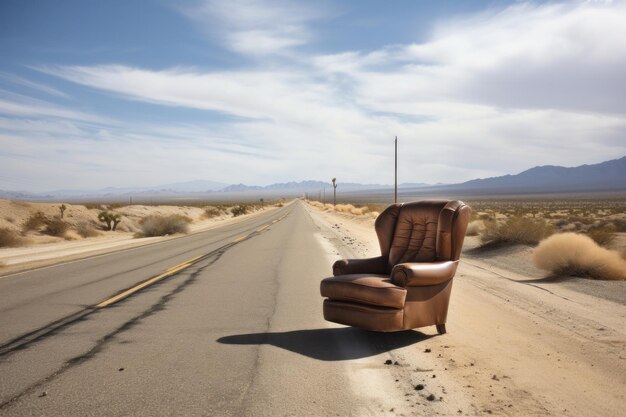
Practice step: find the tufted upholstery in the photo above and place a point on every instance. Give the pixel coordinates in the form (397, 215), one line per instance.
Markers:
(420, 244)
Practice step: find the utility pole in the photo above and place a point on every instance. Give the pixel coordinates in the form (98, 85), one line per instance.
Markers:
(334, 192)
(395, 187)
(324, 196)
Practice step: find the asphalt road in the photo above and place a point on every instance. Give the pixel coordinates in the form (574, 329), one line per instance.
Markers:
(238, 332)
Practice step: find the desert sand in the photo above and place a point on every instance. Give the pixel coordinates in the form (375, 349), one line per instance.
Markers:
(517, 344)
(39, 249)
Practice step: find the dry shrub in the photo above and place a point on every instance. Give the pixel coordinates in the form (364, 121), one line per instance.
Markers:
(34, 222)
(350, 209)
(86, 230)
(164, 225)
(56, 227)
(474, 228)
(603, 236)
(239, 210)
(211, 212)
(515, 230)
(578, 255)
(9, 239)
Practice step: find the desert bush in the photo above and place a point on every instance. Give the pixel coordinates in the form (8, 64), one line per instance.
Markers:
(603, 235)
(239, 210)
(86, 230)
(620, 225)
(574, 254)
(9, 238)
(522, 230)
(34, 222)
(56, 227)
(474, 228)
(110, 219)
(164, 225)
(211, 212)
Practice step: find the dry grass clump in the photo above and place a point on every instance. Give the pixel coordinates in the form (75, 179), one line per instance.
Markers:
(9, 239)
(211, 212)
(574, 254)
(86, 230)
(239, 210)
(34, 222)
(351, 209)
(474, 228)
(56, 227)
(163, 225)
(515, 230)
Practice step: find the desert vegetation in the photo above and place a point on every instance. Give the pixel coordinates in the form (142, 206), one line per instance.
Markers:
(601, 220)
(573, 254)
(110, 219)
(515, 230)
(155, 225)
(9, 238)
(27, 224)
(369, 210)
(239, 210)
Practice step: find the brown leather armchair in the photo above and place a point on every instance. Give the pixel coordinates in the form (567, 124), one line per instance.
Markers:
(409, 285)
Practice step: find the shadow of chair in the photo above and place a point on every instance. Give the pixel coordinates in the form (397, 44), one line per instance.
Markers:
(334, 344)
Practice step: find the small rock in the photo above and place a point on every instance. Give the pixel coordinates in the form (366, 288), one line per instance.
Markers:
(396, 363)
(43, 394)
(434, 376)
(419, 387)
(388, 362)
(431, 397)
(121, 369)
(427, 350)
(495, 378)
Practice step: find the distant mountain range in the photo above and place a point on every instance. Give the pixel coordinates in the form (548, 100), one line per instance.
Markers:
(605, 176)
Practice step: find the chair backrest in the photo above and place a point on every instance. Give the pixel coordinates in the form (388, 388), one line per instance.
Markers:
(422, 231)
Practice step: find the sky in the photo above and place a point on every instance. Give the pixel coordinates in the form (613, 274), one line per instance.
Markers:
(146, 92)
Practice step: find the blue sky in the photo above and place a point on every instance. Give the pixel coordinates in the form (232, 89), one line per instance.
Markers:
(139, 93)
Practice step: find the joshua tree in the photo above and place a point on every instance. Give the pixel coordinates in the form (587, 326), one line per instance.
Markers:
(261, 200)
(334, 191)
(110, 219)
(62, 209)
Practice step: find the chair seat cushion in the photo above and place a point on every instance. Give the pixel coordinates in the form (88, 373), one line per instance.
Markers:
(371, 289)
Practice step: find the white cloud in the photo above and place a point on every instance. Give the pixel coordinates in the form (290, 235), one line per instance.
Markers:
(254, 27)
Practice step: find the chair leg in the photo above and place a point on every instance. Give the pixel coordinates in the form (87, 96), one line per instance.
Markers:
(441, 328)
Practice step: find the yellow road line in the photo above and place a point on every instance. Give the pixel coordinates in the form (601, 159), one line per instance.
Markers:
(138, 287)
(169, 272)
(239, 239)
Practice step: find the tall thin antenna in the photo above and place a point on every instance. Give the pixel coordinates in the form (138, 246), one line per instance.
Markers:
(395, 188)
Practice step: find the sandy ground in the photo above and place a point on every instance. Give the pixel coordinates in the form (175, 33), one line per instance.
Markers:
(40, 249)
(517, 344)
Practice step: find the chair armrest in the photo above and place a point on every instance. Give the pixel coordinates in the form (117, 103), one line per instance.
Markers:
(421, 274)
(376, 265)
